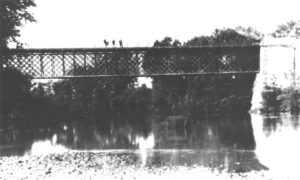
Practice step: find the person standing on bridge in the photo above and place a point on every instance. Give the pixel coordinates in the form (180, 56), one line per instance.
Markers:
(121, 43)
(106, 43)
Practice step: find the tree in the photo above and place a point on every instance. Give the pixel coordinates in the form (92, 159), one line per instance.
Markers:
(290, 29)
(14, 14)
(223, 37)
(196, 95)
(250, 32)
(15, 88)
(167, 42)
(13, 84)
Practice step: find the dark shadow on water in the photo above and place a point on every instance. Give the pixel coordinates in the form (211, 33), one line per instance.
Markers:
(211, 132)
(173, 132)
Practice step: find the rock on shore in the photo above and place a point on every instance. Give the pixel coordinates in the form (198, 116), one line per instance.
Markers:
(87, 165)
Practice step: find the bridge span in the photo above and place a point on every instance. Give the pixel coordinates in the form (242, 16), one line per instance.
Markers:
(136, 61)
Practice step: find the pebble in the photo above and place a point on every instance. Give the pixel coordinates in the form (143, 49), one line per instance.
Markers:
(86, 165)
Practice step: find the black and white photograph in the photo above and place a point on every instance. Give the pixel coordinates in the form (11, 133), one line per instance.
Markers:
(150, 89)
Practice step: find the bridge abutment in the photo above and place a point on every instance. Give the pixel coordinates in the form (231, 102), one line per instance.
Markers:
(279, 67)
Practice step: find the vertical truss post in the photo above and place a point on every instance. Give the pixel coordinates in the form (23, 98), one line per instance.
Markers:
(142, 72)
(84, 63)
(138, 62)
(219, 59)
(19, 63)
(63, 63)
(180, 64)
(135, 62)
(95, 63)
(125, 59)
(118, 66)
(42, 64)
(169, 62)
(52, 65)
(31, 72)
(106, 62)
(159, 64)
(74, 63)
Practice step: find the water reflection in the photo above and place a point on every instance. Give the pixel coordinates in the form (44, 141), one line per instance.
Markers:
(145, 144)
(237, 143)
(210, 133)
(277, 140)
(46, 147)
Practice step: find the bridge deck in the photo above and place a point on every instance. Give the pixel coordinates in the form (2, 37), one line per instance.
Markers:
(103, 62)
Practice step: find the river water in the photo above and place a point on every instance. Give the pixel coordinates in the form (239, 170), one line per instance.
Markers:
(239, 143)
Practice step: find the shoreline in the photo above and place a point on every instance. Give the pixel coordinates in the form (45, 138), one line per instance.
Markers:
(88, 165)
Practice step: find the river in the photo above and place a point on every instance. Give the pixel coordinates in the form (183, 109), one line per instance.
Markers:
(240, 143)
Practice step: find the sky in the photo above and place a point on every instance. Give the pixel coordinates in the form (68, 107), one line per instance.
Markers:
(86, 23)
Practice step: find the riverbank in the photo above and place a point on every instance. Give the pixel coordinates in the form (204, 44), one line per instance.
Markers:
(87, 165)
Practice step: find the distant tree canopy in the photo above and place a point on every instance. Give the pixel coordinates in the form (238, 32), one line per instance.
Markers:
(13, 14)
(197, 95)
(167, 42)
(289, 29)
(222, 37)
(249, 32)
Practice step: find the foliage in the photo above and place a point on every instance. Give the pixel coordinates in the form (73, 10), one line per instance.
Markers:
(15, 89)
(167, 42)
(291, 99)
(223, 37)
(289, 29)
(249, 32)
(14, 14)
(276, 99)
(270, 99)
(195, 96)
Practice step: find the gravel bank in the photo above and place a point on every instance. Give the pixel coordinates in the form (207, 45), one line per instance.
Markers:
(87, 165)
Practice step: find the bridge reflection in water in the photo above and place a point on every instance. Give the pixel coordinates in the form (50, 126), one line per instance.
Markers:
(240, 144)
(277, 143)
(137, 62)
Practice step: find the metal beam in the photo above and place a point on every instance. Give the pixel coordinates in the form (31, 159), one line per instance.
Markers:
(135, 62)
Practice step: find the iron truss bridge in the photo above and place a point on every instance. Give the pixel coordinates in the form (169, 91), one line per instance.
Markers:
(138, 62)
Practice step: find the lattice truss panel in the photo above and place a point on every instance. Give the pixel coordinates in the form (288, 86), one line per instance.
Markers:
(64, 63)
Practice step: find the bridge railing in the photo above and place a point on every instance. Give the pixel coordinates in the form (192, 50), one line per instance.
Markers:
(101, 62)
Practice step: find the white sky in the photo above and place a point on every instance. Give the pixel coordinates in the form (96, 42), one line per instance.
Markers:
(86, 23)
